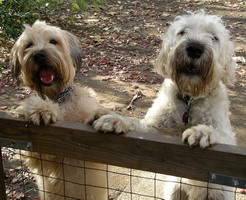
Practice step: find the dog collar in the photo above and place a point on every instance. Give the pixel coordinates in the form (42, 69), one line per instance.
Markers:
(63, 96)
(189, 102)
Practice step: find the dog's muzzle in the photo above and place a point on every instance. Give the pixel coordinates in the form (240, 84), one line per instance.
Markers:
(46, 74)
(194, 51)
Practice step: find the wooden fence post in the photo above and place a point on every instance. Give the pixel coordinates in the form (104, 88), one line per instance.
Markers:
(2, 183)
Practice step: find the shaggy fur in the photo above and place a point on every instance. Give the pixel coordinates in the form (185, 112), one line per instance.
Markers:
(196, 62)
(45, 59)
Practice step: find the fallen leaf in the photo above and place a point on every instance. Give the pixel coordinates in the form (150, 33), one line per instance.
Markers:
(2, 91)
(83, 70)
(3, 107)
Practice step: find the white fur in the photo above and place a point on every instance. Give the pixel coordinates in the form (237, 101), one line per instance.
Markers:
(209, 122)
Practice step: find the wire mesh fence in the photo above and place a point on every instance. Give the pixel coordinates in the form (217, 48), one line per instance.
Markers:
(119, 183)
(65, 176)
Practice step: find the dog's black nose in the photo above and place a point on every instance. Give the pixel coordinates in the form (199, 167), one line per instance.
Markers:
(40, 56)
(194, 50)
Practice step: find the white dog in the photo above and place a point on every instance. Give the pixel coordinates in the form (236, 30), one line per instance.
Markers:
(196, 62)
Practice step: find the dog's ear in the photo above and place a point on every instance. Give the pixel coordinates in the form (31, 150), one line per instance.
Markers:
(226, 57)
(15, 60)
(229, 77)
(162, 59)
(74, 49)
(15, 64)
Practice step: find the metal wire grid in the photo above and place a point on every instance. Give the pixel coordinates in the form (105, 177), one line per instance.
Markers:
(122, 183)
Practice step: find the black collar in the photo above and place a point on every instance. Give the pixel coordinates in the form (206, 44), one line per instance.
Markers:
(63, 95)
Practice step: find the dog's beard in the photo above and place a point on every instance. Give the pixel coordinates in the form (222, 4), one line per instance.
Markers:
(193, 77)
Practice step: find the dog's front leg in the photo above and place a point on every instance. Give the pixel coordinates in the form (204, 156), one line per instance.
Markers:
(116, 123)
(113, 122)
(38, 110)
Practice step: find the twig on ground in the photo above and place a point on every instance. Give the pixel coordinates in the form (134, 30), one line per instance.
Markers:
(137, 96)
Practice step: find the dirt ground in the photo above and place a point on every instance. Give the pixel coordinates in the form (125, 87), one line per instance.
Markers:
(120, 43)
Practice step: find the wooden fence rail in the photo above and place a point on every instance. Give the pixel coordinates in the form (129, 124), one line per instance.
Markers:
(143, 151)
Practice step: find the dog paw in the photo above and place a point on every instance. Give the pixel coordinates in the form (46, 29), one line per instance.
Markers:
(111, 123)
(42, 116)
(39, 111)
(96, 114)
(200, 135)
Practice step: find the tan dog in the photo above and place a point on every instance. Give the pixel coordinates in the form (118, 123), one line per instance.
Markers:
(45, 59)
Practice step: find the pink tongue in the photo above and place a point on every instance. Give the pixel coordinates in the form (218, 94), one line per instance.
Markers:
(46, 75)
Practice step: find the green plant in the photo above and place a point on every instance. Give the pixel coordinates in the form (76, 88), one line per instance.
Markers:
(77, 4)
(1, 68)
(15, 13)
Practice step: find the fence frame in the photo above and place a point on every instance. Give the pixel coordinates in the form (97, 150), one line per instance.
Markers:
(143, 151)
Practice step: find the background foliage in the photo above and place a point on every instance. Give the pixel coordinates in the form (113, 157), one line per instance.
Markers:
(15, 13)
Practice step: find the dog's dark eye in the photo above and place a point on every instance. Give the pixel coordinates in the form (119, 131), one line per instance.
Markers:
(181, 32)
(29, 45)
(215, 38)
(53, 42)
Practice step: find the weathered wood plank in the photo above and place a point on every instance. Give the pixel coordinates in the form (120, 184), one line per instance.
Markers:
(143, 151)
